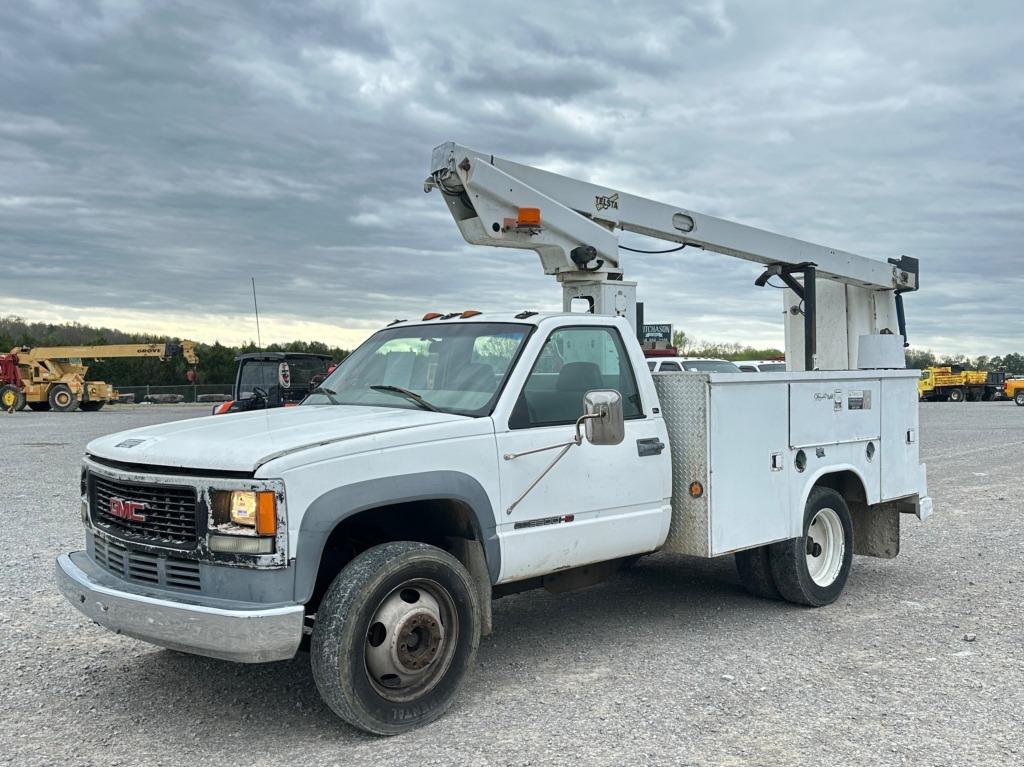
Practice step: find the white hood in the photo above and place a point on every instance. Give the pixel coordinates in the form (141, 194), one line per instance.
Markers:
(245, 441)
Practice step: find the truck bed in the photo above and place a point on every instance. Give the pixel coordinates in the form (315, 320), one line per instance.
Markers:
(740, 435)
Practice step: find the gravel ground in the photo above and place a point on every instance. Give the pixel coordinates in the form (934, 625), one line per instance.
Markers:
(670, 663)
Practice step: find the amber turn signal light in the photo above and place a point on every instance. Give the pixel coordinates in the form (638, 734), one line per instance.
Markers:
(266, 514)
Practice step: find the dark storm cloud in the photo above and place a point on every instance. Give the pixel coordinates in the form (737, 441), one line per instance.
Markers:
(153, 156)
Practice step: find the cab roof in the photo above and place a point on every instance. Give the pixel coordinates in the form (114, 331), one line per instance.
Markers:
(523, 318)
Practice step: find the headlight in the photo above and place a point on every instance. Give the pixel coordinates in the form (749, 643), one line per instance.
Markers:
(242, 508)
(248, 509)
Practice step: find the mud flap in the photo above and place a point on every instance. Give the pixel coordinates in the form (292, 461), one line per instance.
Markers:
(876, 530)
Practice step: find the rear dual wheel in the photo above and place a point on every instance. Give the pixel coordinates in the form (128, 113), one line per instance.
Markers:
(1018, 398)
(394, 637)
(809, 570)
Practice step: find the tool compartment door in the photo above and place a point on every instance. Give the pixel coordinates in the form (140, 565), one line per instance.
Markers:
(748, 428)
(832, 412)
(901, 460)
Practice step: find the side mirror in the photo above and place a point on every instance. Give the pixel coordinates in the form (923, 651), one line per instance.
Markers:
(605, 423)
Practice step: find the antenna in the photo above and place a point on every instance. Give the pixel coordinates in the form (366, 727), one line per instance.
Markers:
(259, 342)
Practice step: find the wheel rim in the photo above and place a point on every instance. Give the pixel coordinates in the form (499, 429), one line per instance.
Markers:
(825, 547)
(8, 399)
(411, 639)
(62, 398)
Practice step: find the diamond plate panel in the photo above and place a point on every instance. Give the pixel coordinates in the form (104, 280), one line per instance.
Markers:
(684, 405)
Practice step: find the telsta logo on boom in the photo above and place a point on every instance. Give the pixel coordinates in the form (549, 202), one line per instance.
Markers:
(129, 510)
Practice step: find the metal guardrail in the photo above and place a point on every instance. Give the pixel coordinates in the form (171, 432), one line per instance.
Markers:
(188, 392)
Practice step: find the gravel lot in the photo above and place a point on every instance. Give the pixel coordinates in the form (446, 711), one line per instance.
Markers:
(670, 663)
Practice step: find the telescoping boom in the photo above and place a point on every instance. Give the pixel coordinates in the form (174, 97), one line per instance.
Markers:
(833, 297)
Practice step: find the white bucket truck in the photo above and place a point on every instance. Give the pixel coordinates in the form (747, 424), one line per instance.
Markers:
(468, 455)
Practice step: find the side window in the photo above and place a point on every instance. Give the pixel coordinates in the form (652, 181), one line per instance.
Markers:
(572, 362)
(670, 367)
(651, 365)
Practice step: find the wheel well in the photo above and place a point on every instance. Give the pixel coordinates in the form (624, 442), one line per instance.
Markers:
(847, 484)
(876, 529)
(443, 522)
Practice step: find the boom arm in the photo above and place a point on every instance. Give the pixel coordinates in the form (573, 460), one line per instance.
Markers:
(185, 349)
(485, 192)
(496, 202)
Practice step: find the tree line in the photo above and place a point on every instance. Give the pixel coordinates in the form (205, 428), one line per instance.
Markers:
(216, 361)
(1011, 364)
(689, 347)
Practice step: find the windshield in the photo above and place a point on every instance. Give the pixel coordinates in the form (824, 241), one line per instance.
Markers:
(772, 367)
(288, 378)
(710, 366)
(455, 368)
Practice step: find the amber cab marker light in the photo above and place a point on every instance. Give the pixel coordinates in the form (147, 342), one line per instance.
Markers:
(266, 513)
(696, 489)
(431, 316)
(469, 313)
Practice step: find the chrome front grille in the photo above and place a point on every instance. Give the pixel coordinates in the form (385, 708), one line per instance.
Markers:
(161, 515)
(140, 567)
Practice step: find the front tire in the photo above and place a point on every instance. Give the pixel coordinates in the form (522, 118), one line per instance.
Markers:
(957, 395)
(62, 399)
(394, 637)
(11, 398)
(812, 569)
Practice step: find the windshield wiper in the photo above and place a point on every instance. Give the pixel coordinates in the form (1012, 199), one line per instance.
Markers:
(411, 395)
(329, 393)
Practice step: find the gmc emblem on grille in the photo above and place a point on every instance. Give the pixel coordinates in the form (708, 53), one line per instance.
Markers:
(127, 509)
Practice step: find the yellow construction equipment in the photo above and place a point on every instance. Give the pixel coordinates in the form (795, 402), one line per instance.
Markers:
(1014, 389)
(54, 377)
(956, 385)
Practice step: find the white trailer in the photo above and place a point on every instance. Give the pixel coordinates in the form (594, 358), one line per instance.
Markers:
(468, 455)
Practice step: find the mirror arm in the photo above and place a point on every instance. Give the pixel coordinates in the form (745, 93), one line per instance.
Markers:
(577, 440)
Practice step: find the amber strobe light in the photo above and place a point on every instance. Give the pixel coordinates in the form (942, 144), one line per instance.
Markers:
(528, 217)
(696, 489)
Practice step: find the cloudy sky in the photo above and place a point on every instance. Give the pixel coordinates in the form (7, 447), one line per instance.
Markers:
(155, 155)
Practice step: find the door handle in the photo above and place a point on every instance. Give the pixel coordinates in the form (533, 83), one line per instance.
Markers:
(649, 446)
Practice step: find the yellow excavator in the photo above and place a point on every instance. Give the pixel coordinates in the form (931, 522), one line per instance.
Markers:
(54, 377)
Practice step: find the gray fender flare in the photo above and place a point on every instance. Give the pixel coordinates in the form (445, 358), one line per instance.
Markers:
(334, 506)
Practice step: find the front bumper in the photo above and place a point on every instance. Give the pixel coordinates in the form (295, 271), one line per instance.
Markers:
(255, 635)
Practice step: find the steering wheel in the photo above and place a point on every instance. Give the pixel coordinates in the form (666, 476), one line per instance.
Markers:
(260, 392)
